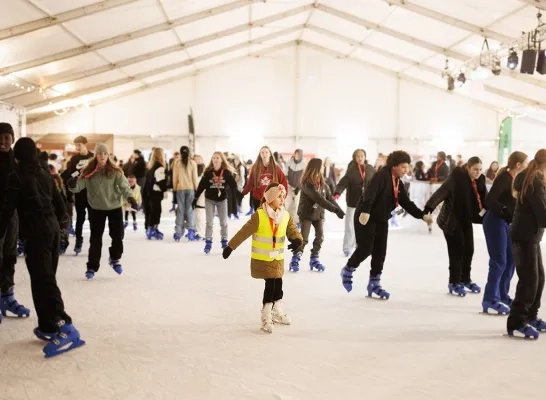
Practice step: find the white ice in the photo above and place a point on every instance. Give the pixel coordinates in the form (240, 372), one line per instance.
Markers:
(182, 325)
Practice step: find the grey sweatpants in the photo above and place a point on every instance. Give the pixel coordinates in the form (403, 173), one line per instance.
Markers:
(211, 207)
(319, 234)
(8, 255)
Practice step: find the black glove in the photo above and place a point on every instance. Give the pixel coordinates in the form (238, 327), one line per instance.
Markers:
(133, 202)
(71, 183)
(194, 204)
(294, 245)
(227, 252)
(340, 214)
(239, 195)
(427, 210)
(506, 214)
(296, 191)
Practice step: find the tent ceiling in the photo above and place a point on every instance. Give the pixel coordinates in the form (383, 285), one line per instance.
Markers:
(57, 55)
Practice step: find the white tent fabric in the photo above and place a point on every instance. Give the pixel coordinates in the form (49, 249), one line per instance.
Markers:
(59, 55)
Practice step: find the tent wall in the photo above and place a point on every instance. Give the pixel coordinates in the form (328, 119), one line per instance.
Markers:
(15, 116)
(295, 97)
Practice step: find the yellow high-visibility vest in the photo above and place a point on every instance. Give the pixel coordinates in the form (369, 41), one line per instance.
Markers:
(262, 239)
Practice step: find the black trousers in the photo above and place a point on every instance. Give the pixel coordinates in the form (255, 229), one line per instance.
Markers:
(530, 270)
(254, 203)
(8, 255)
(116, 231)
(460, 249)
(319, 234)
(82, 205)
(152, 209)
(273, 290)
(42, 258)
(232, 202)
(133, 213)
(371, 240)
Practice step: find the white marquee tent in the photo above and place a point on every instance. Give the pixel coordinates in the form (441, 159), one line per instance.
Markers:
(319, 74)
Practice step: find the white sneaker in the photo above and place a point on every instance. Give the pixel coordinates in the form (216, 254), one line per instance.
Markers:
(267, 322)
(278, 316)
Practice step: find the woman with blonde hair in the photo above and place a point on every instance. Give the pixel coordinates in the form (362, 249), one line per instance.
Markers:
(155, 186)
(218, 176)
(263, 172)
(106, 188)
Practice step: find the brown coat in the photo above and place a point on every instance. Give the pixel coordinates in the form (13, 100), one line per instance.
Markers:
(264, 269)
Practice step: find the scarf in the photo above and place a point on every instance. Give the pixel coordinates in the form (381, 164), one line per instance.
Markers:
(90, 175)
(275, 215)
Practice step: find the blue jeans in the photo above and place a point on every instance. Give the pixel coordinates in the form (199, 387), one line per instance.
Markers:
(185, 214)
(501, 260)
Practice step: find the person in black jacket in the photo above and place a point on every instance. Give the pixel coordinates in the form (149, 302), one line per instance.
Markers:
(32, 193)
(463, 195)
(315, 197)
(439, 171)
(526, 232)
(384, 194)
(76, 164)
(8, 242)
(155, 185)
(500, 204)
(216, 179)
(356, 179)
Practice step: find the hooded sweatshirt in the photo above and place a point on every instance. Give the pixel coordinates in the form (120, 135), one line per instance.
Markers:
(295, 170)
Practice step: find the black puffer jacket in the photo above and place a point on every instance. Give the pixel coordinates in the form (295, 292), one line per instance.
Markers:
(499, 200)
(460, 202)
(353, 183)
(313, 202)
(530, 216)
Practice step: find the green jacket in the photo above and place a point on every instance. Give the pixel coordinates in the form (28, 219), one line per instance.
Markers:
(105, 193)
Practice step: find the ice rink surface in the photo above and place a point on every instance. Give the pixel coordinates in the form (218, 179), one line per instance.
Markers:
(182, 325)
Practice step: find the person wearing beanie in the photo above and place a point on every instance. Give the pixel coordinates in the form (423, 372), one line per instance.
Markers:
(32, 194)
(107, 190)
(270, 227)
(73, 169)
(8, 242)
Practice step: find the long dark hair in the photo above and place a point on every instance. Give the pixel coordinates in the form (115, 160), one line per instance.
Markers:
(185, 155)
(533, 171)
(312, 173)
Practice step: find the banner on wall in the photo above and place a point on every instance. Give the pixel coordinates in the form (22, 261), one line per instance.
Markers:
(505, 140)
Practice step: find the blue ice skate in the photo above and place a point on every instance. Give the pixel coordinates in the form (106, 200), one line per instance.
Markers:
(125, 224)
(223, 243)
(456, 289)
(177, 237)
(20, 248)
(149, 233)
(472, 287)
(154, 234)
(314, 263)
(347, 253)
(135, 226)
(65, 339)
(347, 278)
(47, 337)
(497, 306)
(71, 231)
(528, 331)
(191, 235)
(374, 287)
(9, 303)
(208, 245)
(116, 266)
(90, 274)
(539, 325)
(295, 262)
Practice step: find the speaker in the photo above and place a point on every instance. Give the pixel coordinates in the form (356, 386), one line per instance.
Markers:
(541, 63)
(528, 61)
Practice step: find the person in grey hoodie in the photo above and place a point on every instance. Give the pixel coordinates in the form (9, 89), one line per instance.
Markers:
(294, 168)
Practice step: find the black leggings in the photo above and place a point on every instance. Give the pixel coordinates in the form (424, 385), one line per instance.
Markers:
(133, 213)
(273, 290)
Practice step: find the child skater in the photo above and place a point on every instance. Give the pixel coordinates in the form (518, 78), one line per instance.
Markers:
(154, 190)
(32, 193)
(216, 178)
(315, 197)
(106, 188)
(384, 194)
(500, 204)
(136, 195)
(526, 231)
(269, 227)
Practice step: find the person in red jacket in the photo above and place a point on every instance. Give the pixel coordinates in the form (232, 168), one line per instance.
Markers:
(264, 171)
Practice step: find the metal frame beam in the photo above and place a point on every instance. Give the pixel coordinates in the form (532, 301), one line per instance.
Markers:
(64, 78)
(446, 19)
(61, 18)
(166, 81)
(417, 42)
(160, 70)
(385, 53)
(165, 26)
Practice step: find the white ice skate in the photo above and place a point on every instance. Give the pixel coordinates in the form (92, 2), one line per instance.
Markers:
(267, 321)
(278, 315)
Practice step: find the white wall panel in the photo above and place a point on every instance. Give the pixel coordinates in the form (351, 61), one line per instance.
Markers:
(528, 136)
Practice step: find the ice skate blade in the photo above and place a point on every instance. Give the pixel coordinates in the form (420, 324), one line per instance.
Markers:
(529, 338)
(266, 330)
(456, 294)
(71, 346)
(493, 314)
(384, 298)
